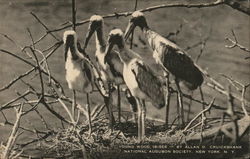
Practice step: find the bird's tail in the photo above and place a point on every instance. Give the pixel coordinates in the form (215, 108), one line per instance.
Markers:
(196, 79)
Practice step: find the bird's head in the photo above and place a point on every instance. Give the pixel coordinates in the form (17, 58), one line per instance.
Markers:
(95, 23)
(115, 38)
(70, 41)
(137, 19)
(69, 37)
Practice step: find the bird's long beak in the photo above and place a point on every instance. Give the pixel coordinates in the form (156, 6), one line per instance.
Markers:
(130, 28)
(66, 48)
(69, 42)
(88, 35)
(108, 50)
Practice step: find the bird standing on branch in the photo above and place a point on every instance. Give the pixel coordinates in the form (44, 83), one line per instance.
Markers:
(139, 78)
(169, 56)
(112, 69)
(79, 75)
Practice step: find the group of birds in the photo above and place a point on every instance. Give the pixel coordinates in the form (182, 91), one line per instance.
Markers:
(127, 67)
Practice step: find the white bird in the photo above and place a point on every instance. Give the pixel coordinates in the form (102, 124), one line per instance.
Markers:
(139, 78)
(111, 69)
(79, 75)
(169, 56)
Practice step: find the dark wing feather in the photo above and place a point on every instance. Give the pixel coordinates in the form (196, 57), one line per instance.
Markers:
(149, 84)
(182, 67)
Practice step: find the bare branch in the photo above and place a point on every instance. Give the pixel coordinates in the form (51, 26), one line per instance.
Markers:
(149, 9)
(31, 70)
(17, 45)
(236, 44)
(203, 44)
(73, 15)
(55, 113)
(233, 82)
(198, 101)
(222, 91)
(67, 110)
(243, 126)
(36, 140)
(5, 106)
(243, 105)
(236, 5)
(16, 79)
(38, 65)
(46, 28)
(132, 34)
(198, 115)
(14, 133)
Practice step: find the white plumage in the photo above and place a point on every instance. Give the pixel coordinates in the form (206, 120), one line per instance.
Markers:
(137, 14)
(79, 74)
(169, 56)
(76, 78)
(139, 78)
(110, 66)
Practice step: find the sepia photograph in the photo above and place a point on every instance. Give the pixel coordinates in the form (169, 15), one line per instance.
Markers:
(124, 79)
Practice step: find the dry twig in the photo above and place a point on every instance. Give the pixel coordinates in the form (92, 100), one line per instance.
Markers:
(198, 115)
(235, 43)
(149, 9)
(14, 133)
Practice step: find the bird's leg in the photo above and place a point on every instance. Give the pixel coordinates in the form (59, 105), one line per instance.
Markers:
(135, 117)
(139, 122)
(73, 104)
(167, 97)
(178, 110)
(89, 114)
(189, 107)
(108, 102)
(133, 104)
(180, 103)
(202, 99)
(111, 106)
(143, 117)
(119, 103)
(135, 111)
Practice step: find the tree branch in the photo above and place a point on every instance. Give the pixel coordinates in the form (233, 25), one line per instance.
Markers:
(46, 28)
(149, 9)
(31, 70)
(236, 44)
(236, 5)
(198, 115)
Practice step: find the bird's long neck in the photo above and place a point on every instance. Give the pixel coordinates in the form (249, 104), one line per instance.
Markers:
(150, 36)
(100, 42)
(71, 51)
(145, 28)
(158, 42)
(126, 54)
